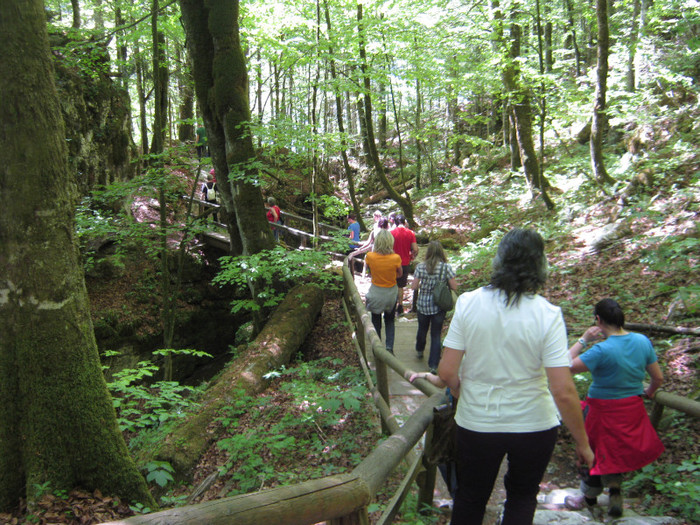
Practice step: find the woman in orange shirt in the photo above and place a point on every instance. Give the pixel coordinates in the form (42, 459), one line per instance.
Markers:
(385, 267)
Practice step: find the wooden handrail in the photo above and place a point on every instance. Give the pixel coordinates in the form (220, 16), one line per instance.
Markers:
(666, 399)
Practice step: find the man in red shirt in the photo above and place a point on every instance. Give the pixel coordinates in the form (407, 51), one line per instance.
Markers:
(406, 246)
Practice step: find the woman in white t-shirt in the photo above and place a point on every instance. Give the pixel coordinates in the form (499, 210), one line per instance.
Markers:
(505, 351)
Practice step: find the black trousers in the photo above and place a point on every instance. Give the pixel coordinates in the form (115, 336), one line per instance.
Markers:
(479, 456)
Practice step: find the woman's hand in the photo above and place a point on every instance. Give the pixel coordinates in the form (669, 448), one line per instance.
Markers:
(585, 455)
(593, 334)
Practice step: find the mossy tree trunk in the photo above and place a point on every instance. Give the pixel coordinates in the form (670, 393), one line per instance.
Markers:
(57, 424)
(221, 86)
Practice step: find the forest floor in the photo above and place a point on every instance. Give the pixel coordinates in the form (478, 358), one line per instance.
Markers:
(577, 269)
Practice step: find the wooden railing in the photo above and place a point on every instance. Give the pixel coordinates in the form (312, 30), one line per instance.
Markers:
(341, 499)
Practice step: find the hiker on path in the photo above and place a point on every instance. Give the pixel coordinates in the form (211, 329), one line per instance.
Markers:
(617, 423)
(406, 246)
(506, 354)
(274, 215)
(425, 278)
(353, 232)
(385, 267)
(209, 192)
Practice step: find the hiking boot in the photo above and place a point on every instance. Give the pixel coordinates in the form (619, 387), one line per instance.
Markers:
(579, 502)
(615, 504)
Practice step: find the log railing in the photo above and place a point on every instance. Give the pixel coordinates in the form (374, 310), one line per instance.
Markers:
(341, 499)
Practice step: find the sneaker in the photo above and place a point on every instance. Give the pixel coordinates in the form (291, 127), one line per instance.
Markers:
(433, 371)
(579, 502)
(615, 504)
(419, 356)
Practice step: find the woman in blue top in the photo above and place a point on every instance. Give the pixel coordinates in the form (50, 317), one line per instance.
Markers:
(425, 278)
(617, 423)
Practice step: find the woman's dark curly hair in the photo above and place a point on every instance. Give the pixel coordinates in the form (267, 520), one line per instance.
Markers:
(520, 266)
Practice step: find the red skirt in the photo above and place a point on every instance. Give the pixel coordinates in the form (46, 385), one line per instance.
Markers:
(620, 434)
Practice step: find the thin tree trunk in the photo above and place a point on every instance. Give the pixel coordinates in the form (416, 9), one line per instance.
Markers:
(160, 83)
(141, 90)
(185, 130)
(571, 41)
(75, 4)
(58, 427)
(404, 203)
(630, 80)
(599, 120)
(339, 117)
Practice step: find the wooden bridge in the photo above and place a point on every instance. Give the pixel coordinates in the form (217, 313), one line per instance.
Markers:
(294, 232)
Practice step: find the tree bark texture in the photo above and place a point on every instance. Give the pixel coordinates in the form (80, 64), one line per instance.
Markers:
(57, 423)
(599, 120)
(221, 86)
(279, 340)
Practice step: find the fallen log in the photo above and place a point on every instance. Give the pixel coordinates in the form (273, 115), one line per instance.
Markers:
(681, 330)
(278, 341)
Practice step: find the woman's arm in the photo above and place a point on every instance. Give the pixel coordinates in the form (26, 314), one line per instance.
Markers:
(452, 284)
(657, 377)
(432, 378)
(563, 390)
(415, 284)
(448, 369)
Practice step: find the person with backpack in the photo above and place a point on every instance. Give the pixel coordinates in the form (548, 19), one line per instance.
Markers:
(274, 215)
(425, 278)
(210, 191)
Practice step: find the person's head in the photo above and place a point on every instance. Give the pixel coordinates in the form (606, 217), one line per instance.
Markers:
(212, 172)
(520, 266)
(392, 217)
(271, 201)
(434, 255)
(609, 312)
(400, 220)
(377, 216)
(210, 177)
(383, 223)
(384, 243)
(352, 217)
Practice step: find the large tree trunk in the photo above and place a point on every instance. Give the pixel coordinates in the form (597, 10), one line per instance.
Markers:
(221, 85)
(279, 340)
(599, 120)
(57, 424)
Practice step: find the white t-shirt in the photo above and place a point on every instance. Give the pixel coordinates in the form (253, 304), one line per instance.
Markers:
(506, 349)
